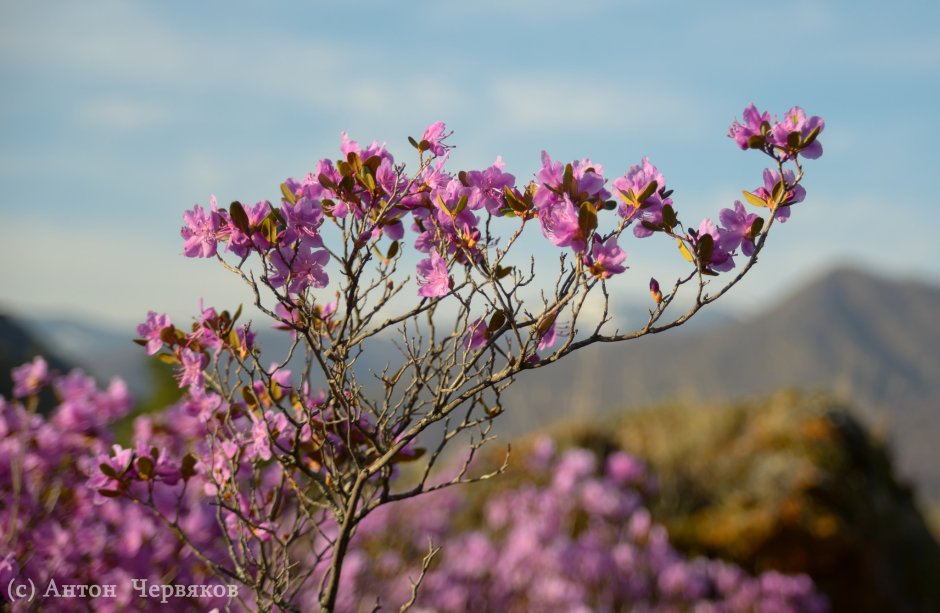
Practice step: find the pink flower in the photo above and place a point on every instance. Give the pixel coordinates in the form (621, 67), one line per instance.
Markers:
(736, 227)
(477, 335)
(191, 367)
(751, 133)
(433, 278)
(201, 232)
(151, 329)
(29, 378)
(304, 268)
(720, 258)
(560, 224)
(633, 185)
(435, 135)
(606, 258)
(797, 126)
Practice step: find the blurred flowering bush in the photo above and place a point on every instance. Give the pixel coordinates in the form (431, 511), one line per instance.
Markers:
(574, 535)
(293, 471)
(58, 522)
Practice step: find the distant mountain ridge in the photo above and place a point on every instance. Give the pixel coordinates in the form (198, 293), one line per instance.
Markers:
(870, 341)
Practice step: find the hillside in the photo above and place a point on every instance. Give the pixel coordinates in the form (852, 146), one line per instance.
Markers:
(18, 346)
(871, 342)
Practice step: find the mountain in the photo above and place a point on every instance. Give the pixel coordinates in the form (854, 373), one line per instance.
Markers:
(869, 341)
(18, 346)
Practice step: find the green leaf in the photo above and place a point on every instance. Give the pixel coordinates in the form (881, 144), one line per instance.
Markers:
(108, 471)
(708, 272)
(414, 143)
(168, 358)
(496, 321)
(754, 199)
(502, 272)
(514, 202)
(811, 137)
(326, 182)
(288, 194)
(461, 205)
(669, 217)
(567, 181)
(345, 170)
(777, 193)
(704, 249)
(462, 176)
(648, 191)
(424, 146)
(403, 457)
(392, 250)
(756, 141)
(269, 230)
(239, 218)
(368, 181)
(685, 250)
(755, 228)
(188, 466)
(587, 218)
(109, 493)
(372, 164)
(793, 140)
(145, 467)
(141, 341)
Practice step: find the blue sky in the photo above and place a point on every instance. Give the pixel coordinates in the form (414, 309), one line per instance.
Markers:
(117, 116)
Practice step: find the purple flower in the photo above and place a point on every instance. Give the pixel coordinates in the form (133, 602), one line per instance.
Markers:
(634, 184)
(547, 338)
(588, 181)
(201, 232)
(304, 268)
(28, 379)
(435, 135)
(606, 258)
(793, 196)
(798, 126)
(490, 184)
(477, 335)
(303, 219)
(150, 330)
(241, 243)
(736, 228)
(720, 258)
(751, 134)
(560, 224)
(280, 376)
(192, 364)
(433, 278)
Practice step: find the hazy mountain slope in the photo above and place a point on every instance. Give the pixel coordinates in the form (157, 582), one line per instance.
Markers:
(871, 341)
(18, 346)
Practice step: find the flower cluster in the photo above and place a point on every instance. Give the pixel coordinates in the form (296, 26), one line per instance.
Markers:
(575, 535)
(372, 197)
(55, 524)
(793, 135)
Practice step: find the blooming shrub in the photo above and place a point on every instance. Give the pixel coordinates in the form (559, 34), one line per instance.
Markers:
(574, 535)
(63, 520)
(292, 471)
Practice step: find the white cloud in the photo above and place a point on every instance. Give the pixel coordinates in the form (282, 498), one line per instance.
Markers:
(547, 102)
(122, 114)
